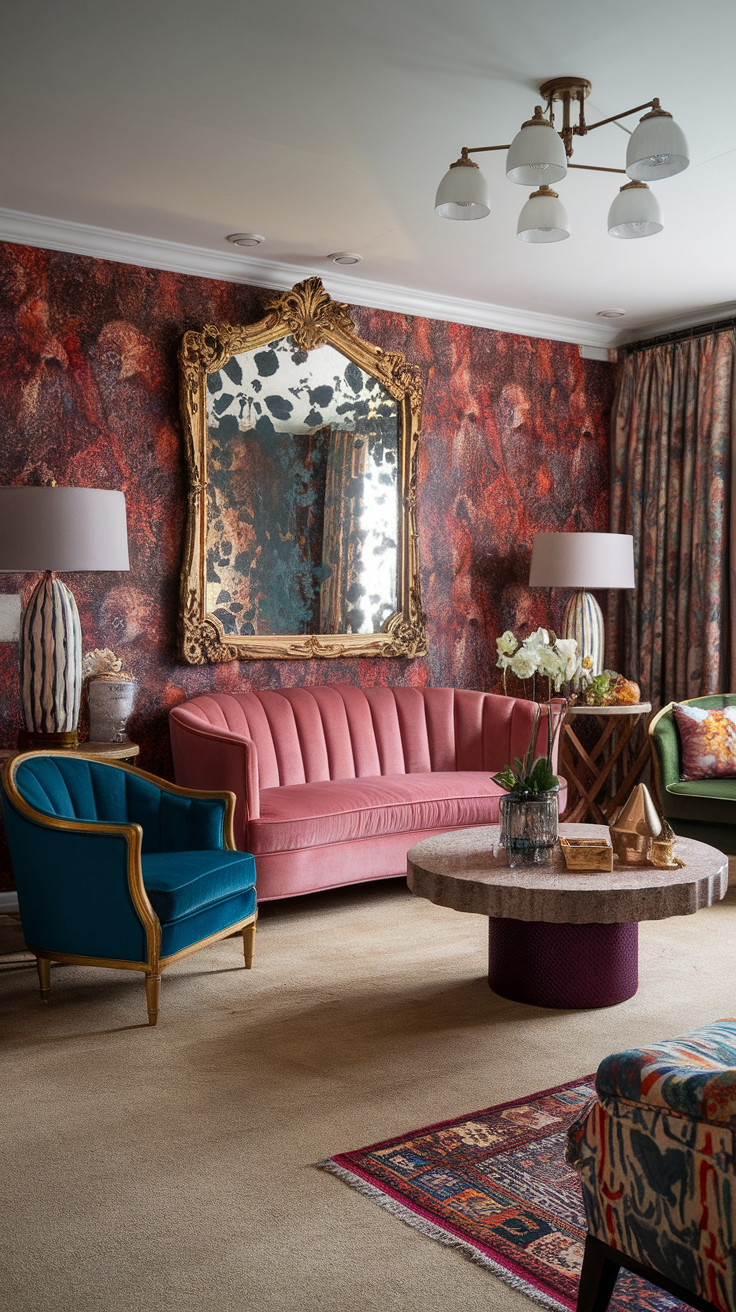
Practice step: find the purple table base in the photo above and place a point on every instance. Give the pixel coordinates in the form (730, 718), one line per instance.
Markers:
(550, 965)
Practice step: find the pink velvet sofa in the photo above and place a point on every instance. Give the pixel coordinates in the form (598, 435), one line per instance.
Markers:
(335, 783)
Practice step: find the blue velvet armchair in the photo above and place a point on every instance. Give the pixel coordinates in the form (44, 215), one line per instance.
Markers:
(117, 868)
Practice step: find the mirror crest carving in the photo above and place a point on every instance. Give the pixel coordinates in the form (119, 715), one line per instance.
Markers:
(301, 442)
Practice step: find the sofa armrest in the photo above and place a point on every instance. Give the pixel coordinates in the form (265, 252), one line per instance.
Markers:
(207, 758)
(666, 748)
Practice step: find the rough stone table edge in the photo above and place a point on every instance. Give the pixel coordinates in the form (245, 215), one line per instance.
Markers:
(572, 905)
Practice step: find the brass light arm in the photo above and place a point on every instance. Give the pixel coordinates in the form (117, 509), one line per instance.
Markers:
(650, 104)
(475, 150)
(597, 168)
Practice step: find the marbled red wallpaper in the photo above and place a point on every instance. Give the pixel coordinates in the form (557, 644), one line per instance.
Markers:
(515, 440)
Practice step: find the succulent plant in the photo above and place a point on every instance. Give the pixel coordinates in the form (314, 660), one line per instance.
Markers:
(534, 774)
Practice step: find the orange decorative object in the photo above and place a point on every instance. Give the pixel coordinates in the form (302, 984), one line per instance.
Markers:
(625, 693)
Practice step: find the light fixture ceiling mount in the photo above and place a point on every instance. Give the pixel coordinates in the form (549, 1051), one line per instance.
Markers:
(245, 238)
(540, 155)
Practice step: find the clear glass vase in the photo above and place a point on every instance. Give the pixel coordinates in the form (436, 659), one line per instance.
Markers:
(528, 827)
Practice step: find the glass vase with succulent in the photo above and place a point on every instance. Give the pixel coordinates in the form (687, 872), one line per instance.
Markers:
(529, 808)
(543, 656)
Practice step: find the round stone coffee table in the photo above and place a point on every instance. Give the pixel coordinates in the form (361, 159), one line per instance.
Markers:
(558, 937)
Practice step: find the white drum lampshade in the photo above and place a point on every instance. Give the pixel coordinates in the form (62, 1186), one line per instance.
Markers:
(582, 561)
(44, 529)
(463, 193)
(657, 148)
(635, 212)
(536, 154)
(543, 218)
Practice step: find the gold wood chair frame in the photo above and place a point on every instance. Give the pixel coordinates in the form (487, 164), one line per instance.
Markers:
(312, 318)
(133, 833)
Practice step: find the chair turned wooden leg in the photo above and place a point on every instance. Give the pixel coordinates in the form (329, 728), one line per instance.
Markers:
(153, 993)
(597, 1277)
(249, 938)
(44, 976)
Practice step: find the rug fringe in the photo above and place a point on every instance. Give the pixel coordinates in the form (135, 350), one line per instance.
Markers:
(433, 1231)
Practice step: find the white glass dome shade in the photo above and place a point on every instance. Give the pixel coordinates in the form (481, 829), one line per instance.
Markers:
(635, 212)
(543, 218)
(657, 148)
(536, 154)
(463, 192)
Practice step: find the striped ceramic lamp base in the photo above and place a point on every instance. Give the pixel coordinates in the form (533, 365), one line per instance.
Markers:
(50, 666)
(583, 621)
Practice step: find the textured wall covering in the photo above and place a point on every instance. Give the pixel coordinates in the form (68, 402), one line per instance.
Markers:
(515, 440)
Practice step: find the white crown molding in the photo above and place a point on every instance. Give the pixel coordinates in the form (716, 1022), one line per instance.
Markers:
(702, 317)
(149, 253)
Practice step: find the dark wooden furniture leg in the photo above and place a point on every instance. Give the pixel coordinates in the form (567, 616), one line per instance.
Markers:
(601, 1265)
(597, 1277)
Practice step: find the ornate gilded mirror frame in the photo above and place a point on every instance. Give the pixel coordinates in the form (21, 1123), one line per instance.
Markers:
(312, 318)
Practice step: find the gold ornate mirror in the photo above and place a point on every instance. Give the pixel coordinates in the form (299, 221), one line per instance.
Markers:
(301, 446)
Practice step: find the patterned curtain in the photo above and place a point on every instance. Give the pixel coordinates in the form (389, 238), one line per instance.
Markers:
(342, 589)
(673, 429)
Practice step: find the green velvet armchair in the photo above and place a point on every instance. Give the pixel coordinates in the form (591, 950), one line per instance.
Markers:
(117, 868)
(696, 808)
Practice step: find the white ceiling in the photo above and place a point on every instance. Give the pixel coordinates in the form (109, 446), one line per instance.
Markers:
(327, 126)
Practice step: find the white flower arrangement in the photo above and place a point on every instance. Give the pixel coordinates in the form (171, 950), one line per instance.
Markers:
(542, 653)
(102, 663)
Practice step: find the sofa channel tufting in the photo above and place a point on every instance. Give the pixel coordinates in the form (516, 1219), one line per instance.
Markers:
(335, 783)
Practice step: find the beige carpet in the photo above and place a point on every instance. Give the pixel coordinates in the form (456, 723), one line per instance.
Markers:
(172, 1168)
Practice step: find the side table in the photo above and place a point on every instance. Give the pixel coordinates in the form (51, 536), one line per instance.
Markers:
(600, 777)
(111, 751)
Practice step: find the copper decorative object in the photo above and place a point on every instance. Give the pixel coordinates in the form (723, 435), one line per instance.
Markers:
(662, 852)
(635, 828)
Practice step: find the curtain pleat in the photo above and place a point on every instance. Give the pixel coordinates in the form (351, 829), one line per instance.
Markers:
(346, 461)
(673, 430)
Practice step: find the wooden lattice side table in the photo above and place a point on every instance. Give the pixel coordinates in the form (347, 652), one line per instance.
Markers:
(601, 776)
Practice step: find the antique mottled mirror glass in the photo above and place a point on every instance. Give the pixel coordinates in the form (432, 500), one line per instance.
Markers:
(302, 452)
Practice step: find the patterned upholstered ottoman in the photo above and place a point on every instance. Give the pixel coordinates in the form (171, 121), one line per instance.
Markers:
(655, 1155)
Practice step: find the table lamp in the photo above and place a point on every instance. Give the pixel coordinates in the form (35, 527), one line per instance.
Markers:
(581, 561)
(44, 529)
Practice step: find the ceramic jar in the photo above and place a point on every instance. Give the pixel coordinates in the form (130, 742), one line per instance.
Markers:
(110, 704)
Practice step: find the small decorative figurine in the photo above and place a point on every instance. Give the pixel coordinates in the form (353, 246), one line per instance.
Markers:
(635, 828)
(662, 854)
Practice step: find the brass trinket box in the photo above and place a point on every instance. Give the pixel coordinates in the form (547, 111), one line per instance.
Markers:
(591, 854)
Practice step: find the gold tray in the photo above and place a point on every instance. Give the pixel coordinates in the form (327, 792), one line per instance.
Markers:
(587, 854)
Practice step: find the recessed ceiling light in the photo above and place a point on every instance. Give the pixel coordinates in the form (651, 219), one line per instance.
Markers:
(345, 257)
(610, 314)
(245, 238)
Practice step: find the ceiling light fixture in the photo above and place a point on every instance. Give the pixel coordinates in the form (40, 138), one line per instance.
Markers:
(345, 257)
(245, 238)
(610, 314)
(540, 155)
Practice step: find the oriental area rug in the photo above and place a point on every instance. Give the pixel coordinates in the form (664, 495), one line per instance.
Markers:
(495, 1186)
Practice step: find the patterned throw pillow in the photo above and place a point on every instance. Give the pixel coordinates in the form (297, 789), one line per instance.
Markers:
(708, 740)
